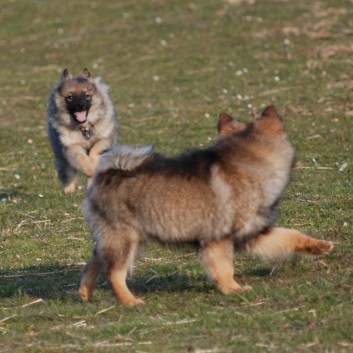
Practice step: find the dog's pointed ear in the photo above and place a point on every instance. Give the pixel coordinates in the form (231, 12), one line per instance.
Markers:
(270, 122)
(66, 75)
(86, 73)
(227, 125)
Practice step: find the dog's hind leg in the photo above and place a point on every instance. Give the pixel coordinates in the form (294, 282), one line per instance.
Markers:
(217, 257)
(117, 252)
(66, 172)
(279, 242)
(89, 278)
(67, 175)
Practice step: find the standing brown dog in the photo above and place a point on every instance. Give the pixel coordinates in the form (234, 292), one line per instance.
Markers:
(82, 125)
(222, 197)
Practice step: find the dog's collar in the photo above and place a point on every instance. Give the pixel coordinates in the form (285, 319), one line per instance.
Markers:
(86, 131)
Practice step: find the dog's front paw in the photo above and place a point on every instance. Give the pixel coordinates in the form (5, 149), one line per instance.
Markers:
(133, 302)
(236, 289)
(85, 293)
(86, 165)
(89, 171)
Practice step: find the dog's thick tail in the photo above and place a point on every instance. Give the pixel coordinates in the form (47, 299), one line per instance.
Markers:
(124, 157)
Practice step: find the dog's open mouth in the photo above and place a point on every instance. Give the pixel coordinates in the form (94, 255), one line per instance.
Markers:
(81, 117)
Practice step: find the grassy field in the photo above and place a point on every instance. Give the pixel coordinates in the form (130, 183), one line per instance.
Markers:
(172, 67)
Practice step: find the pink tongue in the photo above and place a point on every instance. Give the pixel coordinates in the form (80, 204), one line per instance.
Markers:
(81, 116)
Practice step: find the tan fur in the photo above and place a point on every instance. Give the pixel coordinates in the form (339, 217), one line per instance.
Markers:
(77, 146)
(281, 242)
(221, 198)
(90, 275)
(217, 257)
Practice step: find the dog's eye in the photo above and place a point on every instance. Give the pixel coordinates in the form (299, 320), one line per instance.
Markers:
(69, 98)
(88, 97)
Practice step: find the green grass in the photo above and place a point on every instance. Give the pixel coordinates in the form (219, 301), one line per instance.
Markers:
(172, 67)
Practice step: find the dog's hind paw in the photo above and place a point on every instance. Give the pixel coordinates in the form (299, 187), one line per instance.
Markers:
(320, 247)
(68, 189)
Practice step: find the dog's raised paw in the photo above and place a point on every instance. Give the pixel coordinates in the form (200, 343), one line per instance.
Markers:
(321, 247)
(325, 246)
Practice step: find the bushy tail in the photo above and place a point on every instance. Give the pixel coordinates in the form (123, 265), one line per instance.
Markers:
(124, 157)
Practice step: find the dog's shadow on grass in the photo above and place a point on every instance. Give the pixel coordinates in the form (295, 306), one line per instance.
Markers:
(44, 281)
(62, 282)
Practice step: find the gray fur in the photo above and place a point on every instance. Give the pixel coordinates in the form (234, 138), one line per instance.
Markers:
(124, 157)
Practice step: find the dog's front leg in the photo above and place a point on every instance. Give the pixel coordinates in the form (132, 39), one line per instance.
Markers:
(95, 154)
(97, 149)
(79, 159)
(217, 257)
